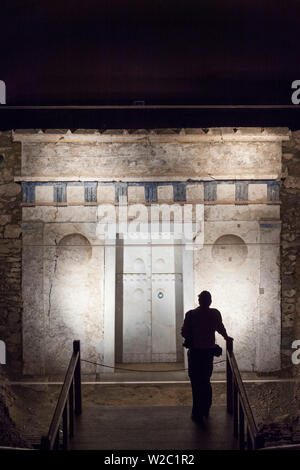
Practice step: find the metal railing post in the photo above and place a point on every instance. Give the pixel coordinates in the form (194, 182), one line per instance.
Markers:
(66, 427)
(235, 411)
(241, 427)
(71, 409)
(244, 426)
(77, 379)
(229, 377)
(249, 441)
(45, 443)
(259, 441)
(56, 442)
(64, 411)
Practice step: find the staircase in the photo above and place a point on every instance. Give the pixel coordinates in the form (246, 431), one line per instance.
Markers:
(151, 428)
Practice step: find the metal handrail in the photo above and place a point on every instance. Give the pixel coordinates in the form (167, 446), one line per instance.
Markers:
(283, 447)
(244, 426)
(8, 448)
(64, 411)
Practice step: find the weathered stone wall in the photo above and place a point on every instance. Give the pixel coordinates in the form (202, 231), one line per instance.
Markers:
(10, 432)
(290, 250)
(10, 247)
(239, 265)
(66, 176)
(220, 153)
(10, 251)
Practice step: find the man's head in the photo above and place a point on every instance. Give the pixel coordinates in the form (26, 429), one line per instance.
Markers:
(204, 298)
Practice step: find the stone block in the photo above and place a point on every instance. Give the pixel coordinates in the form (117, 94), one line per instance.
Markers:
(287, 155)
(130, 157)
(106, 194)
(194, 192)
(43, 193)
(138, 213)
(32, 233)
(289, 293)
(33, 313)
(292, 182)
(12, 231)
(5, 219)
(298, 307)
(226, 192)
(136, 194)
(59, 214)
(10, 189)
(53, 233)
(257, 192)
(165, 193)
(75, 194)
(249, 212)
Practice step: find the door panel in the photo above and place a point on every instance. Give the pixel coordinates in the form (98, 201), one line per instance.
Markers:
(137, 259)
(163, 318)
(136, 318)
(149, 304)
(163, 259)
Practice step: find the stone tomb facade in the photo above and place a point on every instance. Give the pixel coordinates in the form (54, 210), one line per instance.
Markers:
(125, 297)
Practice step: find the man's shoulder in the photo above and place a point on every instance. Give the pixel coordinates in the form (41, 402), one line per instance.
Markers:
(191, 312)
(194, 312)
(215, 312)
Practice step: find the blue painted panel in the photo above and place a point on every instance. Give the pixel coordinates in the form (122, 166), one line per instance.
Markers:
(273, 190)
(210, 191)
(60, 193)
(121, 191)
(241, 191)
(90, 192)
(151, 192)
(179, 192)
(269, 225)
(28, 192)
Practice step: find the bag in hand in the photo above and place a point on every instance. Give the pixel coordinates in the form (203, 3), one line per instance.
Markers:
(187, 343)
(217, 350)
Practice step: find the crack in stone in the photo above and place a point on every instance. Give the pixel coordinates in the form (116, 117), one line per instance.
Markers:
(54, 271)
(56, 213)
(51, 283)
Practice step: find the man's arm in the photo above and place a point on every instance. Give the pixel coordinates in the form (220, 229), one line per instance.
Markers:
(186, 330)
(220, 328)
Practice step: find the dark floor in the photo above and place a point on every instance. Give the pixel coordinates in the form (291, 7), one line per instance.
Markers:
(151, 428)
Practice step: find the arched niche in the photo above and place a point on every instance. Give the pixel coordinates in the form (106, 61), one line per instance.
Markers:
(229, 251)
(73, 251)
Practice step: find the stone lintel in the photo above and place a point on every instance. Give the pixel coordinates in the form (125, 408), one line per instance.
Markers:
(221, 177)
(217, 134)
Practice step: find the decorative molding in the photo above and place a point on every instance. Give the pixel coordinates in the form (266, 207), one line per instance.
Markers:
(215, 134)
(142, 180)
(60, 193)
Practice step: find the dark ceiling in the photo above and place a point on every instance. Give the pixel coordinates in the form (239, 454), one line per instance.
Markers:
(160, 52)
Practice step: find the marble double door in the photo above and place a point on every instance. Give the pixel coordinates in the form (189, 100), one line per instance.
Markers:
(149, 306)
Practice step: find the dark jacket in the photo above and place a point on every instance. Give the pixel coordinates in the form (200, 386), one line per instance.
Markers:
(200, 325)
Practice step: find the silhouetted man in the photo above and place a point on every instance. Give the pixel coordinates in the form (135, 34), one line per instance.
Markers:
(199, 329)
